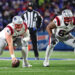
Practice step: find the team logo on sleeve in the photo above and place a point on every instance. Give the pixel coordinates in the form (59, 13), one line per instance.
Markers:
(54, 21)
(8, 31)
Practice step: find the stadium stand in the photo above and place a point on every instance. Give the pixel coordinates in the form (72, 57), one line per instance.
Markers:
(48, 9)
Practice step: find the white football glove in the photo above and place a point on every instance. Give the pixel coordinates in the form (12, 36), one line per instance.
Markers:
(26, 38)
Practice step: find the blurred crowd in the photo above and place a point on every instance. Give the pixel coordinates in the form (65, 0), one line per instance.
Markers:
(47, 8)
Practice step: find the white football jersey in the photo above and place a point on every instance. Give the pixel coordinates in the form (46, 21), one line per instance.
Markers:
(10, 28)
(60, 25)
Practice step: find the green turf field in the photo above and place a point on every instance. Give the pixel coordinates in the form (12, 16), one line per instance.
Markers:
(57, 67)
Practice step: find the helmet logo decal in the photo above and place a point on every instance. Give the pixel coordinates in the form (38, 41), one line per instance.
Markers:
(15, 18)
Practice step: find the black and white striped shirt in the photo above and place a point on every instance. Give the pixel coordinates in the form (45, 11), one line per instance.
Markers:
(31, 18)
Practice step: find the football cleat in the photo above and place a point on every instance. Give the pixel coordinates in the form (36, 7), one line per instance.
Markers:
(46, 63)
(28, 65)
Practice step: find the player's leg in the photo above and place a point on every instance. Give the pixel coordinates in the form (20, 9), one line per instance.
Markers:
(20, 43)
(25, 54)
(49, 51)
(2, 45)
(70, 41)
(74, 50)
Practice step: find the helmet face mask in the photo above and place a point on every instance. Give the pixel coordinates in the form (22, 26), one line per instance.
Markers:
(67, 20)
(67, 16)
(18, 27)
(18, 22)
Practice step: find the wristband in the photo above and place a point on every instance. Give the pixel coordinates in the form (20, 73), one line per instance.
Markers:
(12, 55)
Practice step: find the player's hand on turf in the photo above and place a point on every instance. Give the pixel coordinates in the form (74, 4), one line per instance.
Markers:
(14, 59)
(15, 63)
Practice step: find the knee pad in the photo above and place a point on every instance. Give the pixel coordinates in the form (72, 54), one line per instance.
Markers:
(24, 44)
(24, 48)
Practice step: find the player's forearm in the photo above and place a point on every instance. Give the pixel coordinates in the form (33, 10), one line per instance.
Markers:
(10, 44)
(26, 38)
(11, 50)
(49, 31)
(49, 28)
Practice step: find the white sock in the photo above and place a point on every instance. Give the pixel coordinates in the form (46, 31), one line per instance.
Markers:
(25, 54)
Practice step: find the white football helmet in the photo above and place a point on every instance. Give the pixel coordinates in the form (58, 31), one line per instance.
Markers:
(18, 22)
(67, 15)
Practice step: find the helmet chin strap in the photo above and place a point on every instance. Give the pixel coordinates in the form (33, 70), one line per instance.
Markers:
(66, 24)
(17, 30)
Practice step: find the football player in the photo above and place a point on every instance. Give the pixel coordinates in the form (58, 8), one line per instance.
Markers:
(59, 30)
(16, 33)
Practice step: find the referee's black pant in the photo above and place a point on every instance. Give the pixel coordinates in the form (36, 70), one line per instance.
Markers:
(33, 37)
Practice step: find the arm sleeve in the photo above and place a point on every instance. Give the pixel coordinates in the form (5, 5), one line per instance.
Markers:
(9, 40)
(7, 30)
(25, 17)
(39, 20)
(22, 16)
(55, 22)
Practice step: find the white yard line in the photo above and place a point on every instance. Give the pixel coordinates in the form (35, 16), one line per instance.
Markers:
(42, 71)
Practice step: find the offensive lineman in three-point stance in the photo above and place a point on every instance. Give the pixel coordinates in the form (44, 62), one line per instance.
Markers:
(10, 36)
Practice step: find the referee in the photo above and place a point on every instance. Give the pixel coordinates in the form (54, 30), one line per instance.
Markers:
(34, 21)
